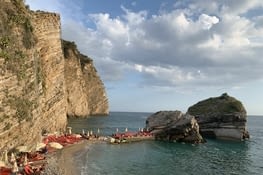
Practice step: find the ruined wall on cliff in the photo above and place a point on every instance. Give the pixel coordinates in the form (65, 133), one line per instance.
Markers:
(32, 86)
(85, 91)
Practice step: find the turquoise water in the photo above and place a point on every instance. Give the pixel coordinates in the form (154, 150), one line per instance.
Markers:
(162, 158)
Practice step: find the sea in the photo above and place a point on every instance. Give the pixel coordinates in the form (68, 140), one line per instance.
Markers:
(215, 157)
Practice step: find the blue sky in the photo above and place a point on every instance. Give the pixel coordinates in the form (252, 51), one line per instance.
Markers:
(168, 55)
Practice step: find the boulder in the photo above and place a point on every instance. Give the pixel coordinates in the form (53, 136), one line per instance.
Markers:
(222, 117)
(174, 126)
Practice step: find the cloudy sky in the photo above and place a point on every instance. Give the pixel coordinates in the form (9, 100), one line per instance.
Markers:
(168, 54)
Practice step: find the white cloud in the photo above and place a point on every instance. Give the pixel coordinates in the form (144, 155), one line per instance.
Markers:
(232, 7)
(207, 21)
(134, 18)
(204, 43)
(215, 42)
(109, 27)
(167, 76)
(138, 67)
(243, 6)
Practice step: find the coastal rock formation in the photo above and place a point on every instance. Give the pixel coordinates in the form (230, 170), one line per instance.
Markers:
(221, 117)
(85, 90)
(174, 126)
(33, 96)
(32, 86)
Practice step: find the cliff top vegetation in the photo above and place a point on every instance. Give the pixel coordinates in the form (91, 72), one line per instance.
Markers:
(221, 104)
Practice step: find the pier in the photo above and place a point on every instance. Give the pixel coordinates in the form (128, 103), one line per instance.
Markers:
(128, 137)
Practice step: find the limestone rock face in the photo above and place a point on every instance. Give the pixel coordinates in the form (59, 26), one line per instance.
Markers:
(221, 117)
(33, 96)
(32, 86)
(85, 91)
(174, 126)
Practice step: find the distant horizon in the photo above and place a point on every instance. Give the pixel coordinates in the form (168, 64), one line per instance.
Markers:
(256, 115)
(167, 54)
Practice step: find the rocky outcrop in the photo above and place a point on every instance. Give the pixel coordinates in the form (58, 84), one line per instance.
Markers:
(174, 126)
(85, 91)
(33, 96)
(221, 117)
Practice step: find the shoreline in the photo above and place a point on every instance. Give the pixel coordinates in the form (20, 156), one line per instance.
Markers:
(62, 161)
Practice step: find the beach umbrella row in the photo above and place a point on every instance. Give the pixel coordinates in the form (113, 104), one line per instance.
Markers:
(90, 132)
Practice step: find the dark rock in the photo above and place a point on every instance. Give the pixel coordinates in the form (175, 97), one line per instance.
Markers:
(221, 117)
(174, 126)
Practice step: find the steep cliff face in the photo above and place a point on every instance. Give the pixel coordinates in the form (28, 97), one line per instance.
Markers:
(50, 55)
(32, 87)
(85, 91)
(33, 94)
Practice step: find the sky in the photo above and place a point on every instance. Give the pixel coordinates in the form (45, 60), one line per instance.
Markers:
(168, 54)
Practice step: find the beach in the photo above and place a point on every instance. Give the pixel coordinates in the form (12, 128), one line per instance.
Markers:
(62, 162)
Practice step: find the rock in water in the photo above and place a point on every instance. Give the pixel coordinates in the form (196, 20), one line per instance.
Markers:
(221, 117)
(174, 126)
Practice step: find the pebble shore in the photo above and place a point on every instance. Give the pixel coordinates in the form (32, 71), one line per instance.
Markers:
(61, 162)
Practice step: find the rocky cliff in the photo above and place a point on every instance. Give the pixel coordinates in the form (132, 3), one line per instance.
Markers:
(221, 117)
(174, 126)
(33, 88)
(85, 91)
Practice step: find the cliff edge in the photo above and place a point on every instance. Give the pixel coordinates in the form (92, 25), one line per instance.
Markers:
(34, 94)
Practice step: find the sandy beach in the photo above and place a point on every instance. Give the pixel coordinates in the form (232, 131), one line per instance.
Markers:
(62, 162)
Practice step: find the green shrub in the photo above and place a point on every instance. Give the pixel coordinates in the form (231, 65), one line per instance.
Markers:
(7, 126)
(221, 104)
(4, 42)
(23, 108)
(16, 63)
(29, 38)
(16, 19)
(4, 55)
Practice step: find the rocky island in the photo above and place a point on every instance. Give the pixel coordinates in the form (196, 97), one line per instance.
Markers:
(42, 78)
(222, 117)
(174, 126)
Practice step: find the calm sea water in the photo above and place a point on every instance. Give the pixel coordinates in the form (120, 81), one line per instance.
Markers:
(162, 158)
